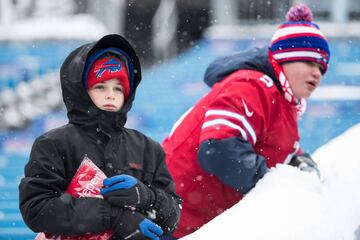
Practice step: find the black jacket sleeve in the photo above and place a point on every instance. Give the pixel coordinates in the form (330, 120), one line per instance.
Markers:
(233, 161)
(166, 209)
(46, 207)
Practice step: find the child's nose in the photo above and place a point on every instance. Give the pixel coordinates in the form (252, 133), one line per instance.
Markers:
(110, 94)
(317, 72)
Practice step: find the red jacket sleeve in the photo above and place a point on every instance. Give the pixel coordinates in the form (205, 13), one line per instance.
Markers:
(240, 109)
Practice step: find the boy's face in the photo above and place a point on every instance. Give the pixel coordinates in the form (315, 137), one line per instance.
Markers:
(303, 77)
(107, 95)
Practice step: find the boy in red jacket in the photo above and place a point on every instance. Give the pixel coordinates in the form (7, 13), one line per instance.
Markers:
(248, 122)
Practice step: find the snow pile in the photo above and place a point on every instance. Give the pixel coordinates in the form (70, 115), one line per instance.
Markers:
(290, 204)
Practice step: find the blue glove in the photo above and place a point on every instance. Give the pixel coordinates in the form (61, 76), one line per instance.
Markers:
(132, 225)
(127, 191)
(150, 229)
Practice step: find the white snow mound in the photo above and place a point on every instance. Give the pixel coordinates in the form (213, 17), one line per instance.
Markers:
(288, 204)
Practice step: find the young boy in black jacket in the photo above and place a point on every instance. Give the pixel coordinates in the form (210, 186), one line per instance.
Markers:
(98, 83)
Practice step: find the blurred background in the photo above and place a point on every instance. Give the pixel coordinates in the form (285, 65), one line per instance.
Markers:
(176, 40)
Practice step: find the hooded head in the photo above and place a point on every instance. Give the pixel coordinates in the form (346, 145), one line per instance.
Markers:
(299, 39)
(110, 57)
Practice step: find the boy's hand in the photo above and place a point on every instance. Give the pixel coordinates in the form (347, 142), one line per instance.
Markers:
(150, 229)
(305, 163)
(127, 191)
(132, 225)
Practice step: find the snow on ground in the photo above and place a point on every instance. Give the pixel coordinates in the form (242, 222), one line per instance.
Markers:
(288, 204)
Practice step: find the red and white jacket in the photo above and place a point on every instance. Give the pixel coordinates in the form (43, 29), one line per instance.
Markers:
(245, 107)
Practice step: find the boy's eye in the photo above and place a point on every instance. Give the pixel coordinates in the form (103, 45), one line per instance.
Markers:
(99, 87)
(313, 64)
(119, 89)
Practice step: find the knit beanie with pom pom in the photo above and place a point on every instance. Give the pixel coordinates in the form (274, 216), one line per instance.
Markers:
(299, 39)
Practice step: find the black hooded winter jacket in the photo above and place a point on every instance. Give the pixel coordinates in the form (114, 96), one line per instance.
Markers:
(102, 137)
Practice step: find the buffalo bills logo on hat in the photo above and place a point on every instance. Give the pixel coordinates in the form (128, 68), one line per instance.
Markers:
(111, 66)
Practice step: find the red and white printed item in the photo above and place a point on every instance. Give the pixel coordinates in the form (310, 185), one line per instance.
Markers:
(86, 182)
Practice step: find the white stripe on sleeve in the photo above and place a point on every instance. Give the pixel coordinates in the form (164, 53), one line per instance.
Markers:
(237, 116)
(226, 123)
